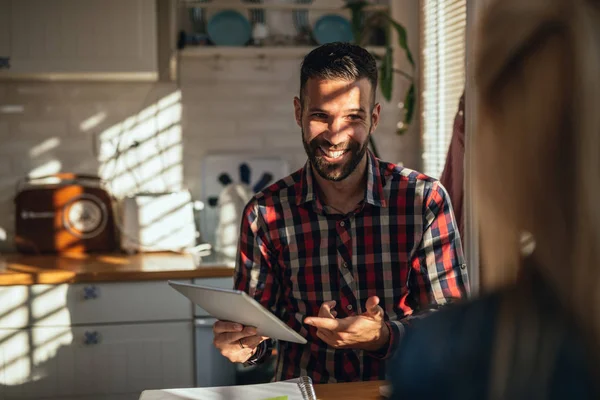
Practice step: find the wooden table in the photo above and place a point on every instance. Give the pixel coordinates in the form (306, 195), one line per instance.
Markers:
(350, 391)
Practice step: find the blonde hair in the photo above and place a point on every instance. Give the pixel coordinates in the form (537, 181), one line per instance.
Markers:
(537, 157)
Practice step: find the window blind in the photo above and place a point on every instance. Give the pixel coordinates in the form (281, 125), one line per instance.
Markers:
(443, 25)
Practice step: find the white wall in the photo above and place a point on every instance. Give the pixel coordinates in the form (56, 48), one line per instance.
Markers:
(238, 105)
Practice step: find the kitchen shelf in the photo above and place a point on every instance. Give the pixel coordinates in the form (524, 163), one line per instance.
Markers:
(251, 51)
(274, 6)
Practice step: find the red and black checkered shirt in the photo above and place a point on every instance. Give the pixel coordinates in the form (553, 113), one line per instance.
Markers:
(400, 244)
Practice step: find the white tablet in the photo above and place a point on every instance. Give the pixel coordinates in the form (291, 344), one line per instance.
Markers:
(237, 306)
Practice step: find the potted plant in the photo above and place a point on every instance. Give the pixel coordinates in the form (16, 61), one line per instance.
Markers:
(364, 25)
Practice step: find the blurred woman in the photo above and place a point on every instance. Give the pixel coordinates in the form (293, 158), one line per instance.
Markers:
(535, 332)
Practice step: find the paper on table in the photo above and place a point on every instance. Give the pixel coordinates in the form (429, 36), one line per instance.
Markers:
(263, 391)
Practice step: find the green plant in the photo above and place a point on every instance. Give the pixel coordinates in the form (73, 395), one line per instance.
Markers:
(364, 23)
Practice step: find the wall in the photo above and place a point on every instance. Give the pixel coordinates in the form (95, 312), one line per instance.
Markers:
(161, 131)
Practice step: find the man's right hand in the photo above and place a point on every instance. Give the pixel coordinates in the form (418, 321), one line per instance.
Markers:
(236, 342)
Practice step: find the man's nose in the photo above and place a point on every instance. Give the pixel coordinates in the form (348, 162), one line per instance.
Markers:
(336, 132)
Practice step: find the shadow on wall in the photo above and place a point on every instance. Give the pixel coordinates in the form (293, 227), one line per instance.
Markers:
(129, 134)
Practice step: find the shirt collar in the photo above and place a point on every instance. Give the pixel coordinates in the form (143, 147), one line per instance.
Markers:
(373, 192)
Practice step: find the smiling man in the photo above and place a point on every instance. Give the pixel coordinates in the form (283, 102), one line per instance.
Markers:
(348, 249)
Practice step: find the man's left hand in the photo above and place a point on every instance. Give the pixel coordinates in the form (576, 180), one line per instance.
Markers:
(366, 331)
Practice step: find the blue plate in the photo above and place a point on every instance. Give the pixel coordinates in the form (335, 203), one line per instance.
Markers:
(332, 28)
(229, 28)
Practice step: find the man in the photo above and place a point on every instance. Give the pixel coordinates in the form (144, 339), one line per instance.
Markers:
(346, 249)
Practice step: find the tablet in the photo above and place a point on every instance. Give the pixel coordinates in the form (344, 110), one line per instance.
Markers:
(237, 306)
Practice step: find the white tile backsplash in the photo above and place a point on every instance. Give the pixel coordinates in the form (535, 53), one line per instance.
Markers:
(238, 108)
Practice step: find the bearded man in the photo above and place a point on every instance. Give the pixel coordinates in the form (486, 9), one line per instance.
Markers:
(348, 249)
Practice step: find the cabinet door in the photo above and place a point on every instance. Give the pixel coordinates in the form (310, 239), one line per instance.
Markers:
(95, 361)
(73, 36)
(96, 303)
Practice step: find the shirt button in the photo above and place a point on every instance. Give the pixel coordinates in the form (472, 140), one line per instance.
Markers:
(464, 266)
(345, 265)
(342, 224)
(349, 307)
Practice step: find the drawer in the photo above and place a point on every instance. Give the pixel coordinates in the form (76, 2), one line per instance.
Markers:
(75, 304)
(222, 283)
(95, 361)
(14, 306)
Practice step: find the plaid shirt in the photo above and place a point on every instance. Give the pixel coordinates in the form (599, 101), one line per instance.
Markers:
(401, 244)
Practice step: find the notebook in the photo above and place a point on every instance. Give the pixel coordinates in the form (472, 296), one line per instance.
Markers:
(293, 389)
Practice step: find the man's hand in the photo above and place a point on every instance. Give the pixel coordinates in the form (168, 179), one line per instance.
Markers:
(366, 331)
(236, 342)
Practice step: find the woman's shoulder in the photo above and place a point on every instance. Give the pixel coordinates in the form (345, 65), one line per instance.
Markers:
(448, 354)
(465, 319)
(447, 350)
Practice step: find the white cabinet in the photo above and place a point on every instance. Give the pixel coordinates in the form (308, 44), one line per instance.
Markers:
(94, 341)
(96, 360)
(75, 38)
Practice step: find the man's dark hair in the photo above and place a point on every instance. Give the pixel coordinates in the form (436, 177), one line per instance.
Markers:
(339, 61)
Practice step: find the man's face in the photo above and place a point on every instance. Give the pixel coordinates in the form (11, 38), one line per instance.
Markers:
(336, 119)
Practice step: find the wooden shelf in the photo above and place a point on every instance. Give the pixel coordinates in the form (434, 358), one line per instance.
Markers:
(258, 52)
(272, 6)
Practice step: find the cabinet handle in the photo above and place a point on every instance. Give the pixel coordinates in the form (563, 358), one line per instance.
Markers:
(90, 292)
(91, 338)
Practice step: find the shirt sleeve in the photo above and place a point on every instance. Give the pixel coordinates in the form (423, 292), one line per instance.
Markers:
(254, 268)
(438, 273)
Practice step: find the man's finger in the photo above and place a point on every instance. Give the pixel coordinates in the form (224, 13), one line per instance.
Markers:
(232, 337)
(372, 306)
(326, 309)
(324, 323)
(253, 341)
(226, 326)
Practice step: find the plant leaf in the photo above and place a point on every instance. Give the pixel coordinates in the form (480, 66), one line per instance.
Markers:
(402, 41)
(356, 12)
(409, 104)
(409, 109)
(386, 80)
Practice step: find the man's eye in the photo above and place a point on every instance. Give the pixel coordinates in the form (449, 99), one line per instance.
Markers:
(354, 117)
(319, 115)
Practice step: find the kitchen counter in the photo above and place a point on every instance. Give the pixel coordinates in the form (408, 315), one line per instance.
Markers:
(18, 269)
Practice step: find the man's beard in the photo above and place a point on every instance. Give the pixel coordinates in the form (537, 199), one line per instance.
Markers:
(330, 170)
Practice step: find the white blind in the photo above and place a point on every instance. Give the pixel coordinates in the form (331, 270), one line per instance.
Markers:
(443, 76)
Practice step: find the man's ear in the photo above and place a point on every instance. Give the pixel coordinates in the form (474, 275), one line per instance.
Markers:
(298, 111)
(375, 116)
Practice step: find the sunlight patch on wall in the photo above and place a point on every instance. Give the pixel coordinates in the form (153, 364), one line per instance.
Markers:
(44, 147)
(143, 153)
(49, 168)
(92, 121)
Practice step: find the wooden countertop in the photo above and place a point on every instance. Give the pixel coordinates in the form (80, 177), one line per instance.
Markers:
(18, 269)
(350, 391)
